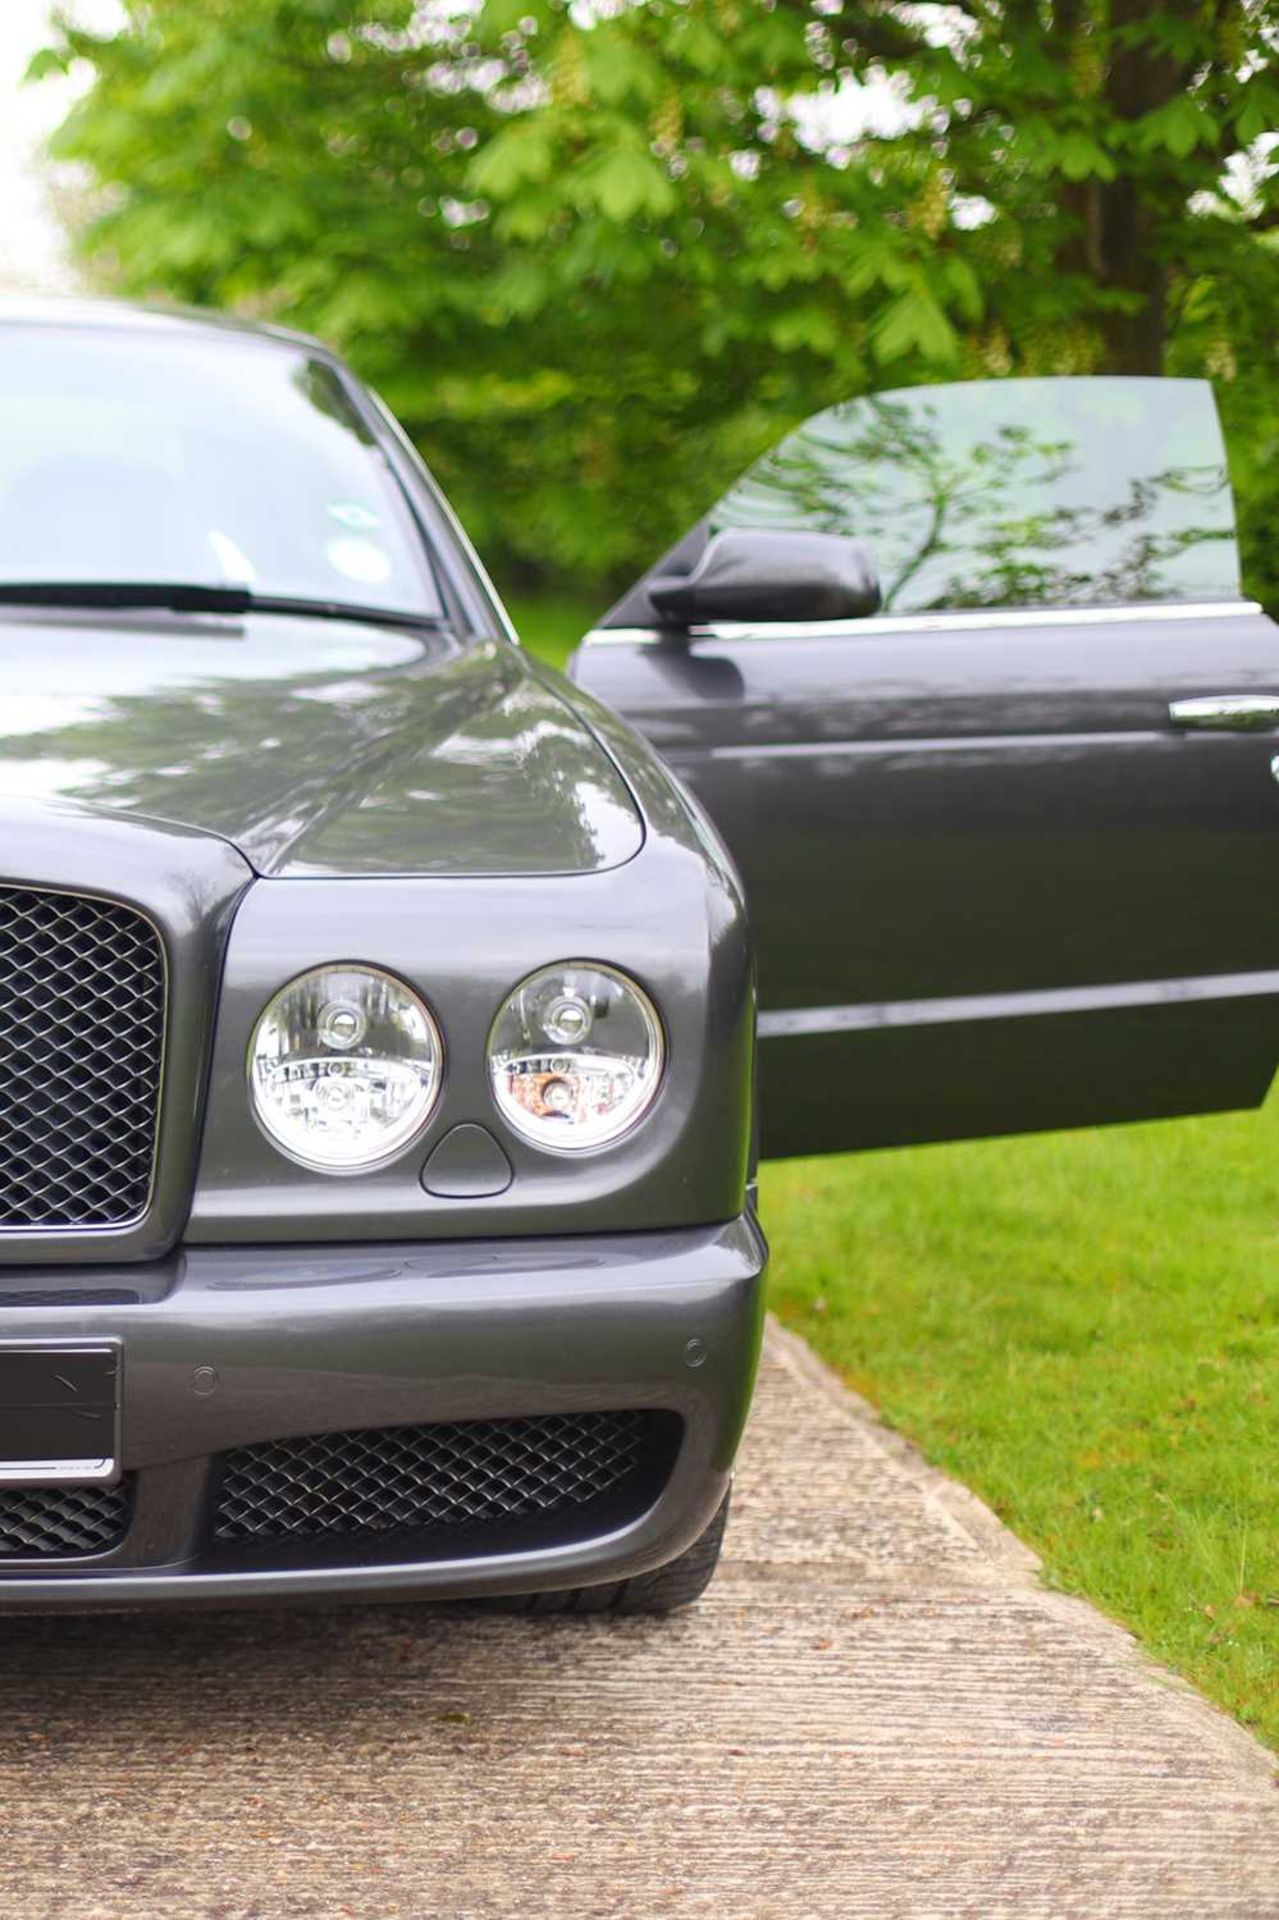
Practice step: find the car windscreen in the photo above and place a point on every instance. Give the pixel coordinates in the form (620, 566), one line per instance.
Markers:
(214, 459)
(1013, 493)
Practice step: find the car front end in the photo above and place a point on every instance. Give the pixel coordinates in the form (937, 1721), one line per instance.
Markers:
(481, 1364)
(376, 1075)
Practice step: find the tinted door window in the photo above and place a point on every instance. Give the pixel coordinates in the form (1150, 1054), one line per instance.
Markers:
(1014, 493)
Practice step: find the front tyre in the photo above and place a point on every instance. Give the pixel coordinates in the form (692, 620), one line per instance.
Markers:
(678, 1584)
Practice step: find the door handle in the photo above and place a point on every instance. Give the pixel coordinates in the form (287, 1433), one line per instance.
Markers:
(1231, 712)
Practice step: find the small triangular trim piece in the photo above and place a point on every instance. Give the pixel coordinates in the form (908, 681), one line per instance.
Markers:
(467, 1164)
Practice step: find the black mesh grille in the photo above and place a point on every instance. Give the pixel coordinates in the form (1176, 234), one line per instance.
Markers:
(60, 1522)
(401, 1480)
(82, 1000)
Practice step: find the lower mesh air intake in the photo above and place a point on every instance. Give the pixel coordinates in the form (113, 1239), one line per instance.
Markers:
(62, 1522)
(443, 1478)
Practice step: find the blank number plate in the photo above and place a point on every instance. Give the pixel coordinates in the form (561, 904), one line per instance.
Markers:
(59, 1414)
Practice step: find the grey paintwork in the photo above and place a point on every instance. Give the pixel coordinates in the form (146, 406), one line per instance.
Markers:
(314, 746)
(475, 918)
(670, 917)
(345, 1337)
(993, 886)
(950, 829)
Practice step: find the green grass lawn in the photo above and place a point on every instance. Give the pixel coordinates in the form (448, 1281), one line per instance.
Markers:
(1085, 1329)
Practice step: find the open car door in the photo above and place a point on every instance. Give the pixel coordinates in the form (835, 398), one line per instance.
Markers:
(964, 676)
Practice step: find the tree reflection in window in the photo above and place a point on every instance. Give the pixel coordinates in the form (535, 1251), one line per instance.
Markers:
(1014, 493)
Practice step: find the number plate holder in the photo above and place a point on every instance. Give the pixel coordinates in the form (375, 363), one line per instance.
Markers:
(59, 1413)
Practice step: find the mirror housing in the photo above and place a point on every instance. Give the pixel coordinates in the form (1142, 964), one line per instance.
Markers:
(764, 574)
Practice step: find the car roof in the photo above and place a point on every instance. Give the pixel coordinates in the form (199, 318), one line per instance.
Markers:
(139, 317)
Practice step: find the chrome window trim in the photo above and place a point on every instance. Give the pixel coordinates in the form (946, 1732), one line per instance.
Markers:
(131, 1225)
(967, 622)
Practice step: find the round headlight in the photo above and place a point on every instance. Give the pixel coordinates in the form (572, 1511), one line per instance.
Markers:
(344, 1068)
(575, 1056)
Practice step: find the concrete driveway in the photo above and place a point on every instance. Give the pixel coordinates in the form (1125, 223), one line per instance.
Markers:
(875, 1711)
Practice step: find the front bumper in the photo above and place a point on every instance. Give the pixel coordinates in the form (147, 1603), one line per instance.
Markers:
(227, 1348)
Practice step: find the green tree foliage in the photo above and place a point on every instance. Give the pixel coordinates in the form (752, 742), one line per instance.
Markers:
(597, 254)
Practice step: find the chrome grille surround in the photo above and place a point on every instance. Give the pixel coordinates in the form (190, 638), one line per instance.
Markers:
(83, 991)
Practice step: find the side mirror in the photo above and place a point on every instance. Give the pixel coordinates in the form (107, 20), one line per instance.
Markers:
(757, 573)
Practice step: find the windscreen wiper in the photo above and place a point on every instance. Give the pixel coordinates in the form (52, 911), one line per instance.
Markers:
(181, 597)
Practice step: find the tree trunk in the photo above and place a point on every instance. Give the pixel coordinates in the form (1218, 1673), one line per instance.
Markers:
(1129, 264)
(1116, 222)
(1139, 80)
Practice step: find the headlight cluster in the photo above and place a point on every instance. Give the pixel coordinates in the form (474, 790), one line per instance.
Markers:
(575, 1056)
(345, 1067)
(346, 1063)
